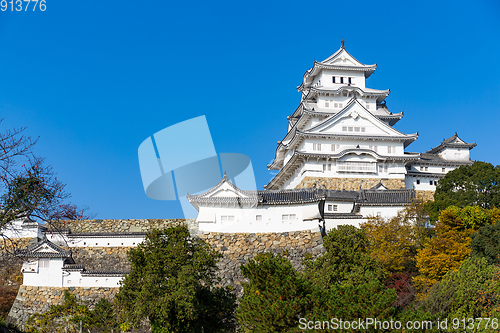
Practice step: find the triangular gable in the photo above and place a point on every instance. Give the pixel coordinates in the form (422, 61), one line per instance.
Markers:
(44, 249)
(354, 112)
(343, 58)
(225, 189)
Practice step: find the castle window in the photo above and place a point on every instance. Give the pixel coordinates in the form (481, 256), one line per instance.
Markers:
(421, 168)
(443, 170)
(349, 129)
(430, 182)
(344, 129)
(340, 105)
(327, 104)
(436, 182)
(227, 218)
(329, 167)
(350, 80)
(69, 281)
(317, 146)
(367, 106)
(356, 129)
(324, 167)
(341, 80)
(43, 263)
(418, 181)
(426, 168)
(286, 217)
(374, 148)
(391, 149)
(363, 129)
(258, 217)
(335, 105)
(333, 79)
(332, 208)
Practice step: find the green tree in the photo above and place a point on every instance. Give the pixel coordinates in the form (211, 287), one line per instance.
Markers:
(486, 243)
(472, 291)
(66, 317)
(349, 283)
(276, 296)
(469, 185)
(173, 284)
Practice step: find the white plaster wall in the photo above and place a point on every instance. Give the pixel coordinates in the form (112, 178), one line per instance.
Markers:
(46, 277)
(342, 207)
(383, 211)
(358, 78)
(75, 279)
(245, 219)
(334, 223)
(16, 230)
(449, 154)
(411, 182)
(68, 240)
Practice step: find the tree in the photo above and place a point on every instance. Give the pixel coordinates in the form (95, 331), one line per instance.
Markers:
(472, 291)
(486, 243)
(276, 296)
(173, 284)
(29, 188)
(349, 283)
(394, 241)
(450, 245)
(469, 185)
(66, 317)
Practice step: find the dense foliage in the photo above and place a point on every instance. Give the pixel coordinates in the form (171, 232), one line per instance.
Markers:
(486, 243)
(469, 185)
(343, 283)
(68, 317)
(172, 283)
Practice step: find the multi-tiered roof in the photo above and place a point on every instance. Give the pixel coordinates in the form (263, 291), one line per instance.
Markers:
(323, 108)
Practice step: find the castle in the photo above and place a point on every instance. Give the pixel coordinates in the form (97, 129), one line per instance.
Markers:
(340, 161)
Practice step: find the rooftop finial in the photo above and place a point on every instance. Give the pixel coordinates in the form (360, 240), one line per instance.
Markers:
(342, 43)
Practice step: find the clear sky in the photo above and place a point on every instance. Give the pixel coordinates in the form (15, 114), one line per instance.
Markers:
(94, 79)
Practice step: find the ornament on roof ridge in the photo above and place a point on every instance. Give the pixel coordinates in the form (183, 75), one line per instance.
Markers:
(342, 43)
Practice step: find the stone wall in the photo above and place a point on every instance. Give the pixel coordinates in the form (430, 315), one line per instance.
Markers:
(32, 300)
(350, 184)
(144, 225)
(237, 249)
(424, 195)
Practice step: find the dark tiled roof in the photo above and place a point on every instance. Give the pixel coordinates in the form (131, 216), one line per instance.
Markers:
(386, 197)
(452, 142)
(108, 234)
(435, 159)
(289, 196)
(103, 273)
(425, 174)
(31, 251)
(333, 216)
(340, 195)
(73, 267)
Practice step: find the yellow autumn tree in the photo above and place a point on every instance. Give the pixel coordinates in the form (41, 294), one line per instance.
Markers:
(450, 245)
(394, 242)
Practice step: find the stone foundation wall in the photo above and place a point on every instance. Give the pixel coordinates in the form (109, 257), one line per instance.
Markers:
(32, 300)
(350, 184)
(238, 249)
(145, 225)
(425, 195)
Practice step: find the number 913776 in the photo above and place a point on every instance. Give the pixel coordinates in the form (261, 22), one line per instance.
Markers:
(23, 5)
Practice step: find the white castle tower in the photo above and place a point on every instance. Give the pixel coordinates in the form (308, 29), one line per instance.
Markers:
(341, 130)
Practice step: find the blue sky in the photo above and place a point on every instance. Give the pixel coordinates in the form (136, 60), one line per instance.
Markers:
(94, 79)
